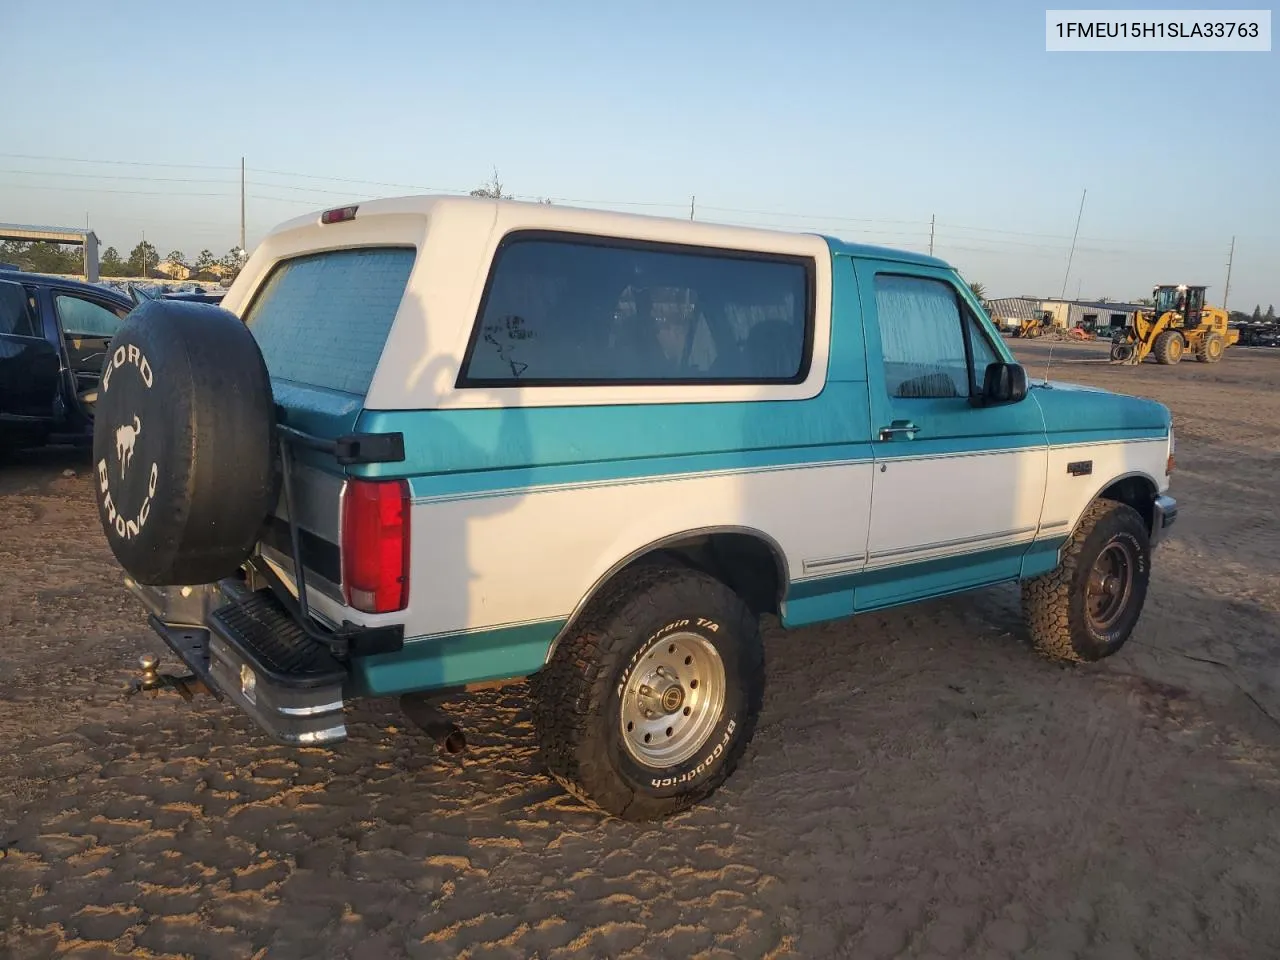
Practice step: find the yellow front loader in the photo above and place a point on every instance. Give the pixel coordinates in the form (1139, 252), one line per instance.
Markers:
(1180, 323)
(1035, 326)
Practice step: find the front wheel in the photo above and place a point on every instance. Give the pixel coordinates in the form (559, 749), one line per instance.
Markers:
(1086, 609)
(651, 699)
(1169, 347)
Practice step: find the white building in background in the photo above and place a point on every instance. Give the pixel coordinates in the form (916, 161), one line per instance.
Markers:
(1096, 315)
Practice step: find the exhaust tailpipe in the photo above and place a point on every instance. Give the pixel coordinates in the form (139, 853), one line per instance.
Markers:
(429, 718)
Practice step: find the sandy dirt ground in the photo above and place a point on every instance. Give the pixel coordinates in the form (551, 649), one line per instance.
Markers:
(921, 784)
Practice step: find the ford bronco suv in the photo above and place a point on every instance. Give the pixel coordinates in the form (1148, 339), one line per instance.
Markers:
(432, 444)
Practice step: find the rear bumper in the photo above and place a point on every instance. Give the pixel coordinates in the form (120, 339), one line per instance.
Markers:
(247, 649)
(1164, 512)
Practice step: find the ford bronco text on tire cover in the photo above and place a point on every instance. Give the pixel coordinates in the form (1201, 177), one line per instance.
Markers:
(431, 444)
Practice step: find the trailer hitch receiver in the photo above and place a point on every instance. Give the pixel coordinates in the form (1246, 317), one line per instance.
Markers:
(153, 681)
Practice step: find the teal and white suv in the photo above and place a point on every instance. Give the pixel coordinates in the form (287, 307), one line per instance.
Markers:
(432, 444)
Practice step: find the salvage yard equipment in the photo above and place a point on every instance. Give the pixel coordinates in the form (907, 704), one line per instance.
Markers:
(1180, 323)
(1031, 327)
(1254, 334)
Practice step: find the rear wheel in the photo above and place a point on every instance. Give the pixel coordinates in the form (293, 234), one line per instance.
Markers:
(1086, 609)
(1169, 347)
(1211, 348)
(1121, 351)
(650, 701)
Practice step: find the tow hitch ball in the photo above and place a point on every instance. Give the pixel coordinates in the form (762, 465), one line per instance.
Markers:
(153, 681)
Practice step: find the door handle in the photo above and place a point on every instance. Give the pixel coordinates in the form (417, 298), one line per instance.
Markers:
(899, 427)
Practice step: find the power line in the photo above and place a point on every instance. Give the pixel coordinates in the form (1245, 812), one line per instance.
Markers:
(123, 163)
(115, 176)
(285, 186)
(371, 183)
(973, 239)
(135, 193)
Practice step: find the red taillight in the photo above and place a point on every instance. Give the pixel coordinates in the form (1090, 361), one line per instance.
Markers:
(375, 545)
(339, 214)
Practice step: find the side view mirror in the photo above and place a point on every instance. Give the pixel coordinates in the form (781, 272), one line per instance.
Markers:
(1003, 383)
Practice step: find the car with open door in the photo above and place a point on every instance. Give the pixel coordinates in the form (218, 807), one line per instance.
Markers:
(54, 333)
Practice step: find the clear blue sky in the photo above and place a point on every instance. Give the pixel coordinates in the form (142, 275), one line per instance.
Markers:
(862, 120)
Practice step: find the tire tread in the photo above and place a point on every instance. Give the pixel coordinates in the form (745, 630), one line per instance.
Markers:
(571, 690)
(1046, 600)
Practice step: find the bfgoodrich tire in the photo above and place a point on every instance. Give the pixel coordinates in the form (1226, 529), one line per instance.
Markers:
(651, 700)
(1086, 609)
(184, 443)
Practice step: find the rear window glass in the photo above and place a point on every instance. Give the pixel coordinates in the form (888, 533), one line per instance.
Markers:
(322, 319)
(579, 311)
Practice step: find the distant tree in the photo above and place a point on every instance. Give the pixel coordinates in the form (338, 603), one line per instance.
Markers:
(1257, 314)
(176, 256)
(1147, 301)
(231, 264)
(205, 260)
(491, 189)
(110, 263)
(142, 259)
(42, 257)
(1270, 316)
(979, 290)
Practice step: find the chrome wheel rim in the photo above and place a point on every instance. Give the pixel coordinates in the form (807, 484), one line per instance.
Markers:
(673, 700)
(1110, 584)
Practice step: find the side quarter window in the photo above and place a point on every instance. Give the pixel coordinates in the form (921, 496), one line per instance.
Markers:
(933, 347)
(84, 318)
(16, 316)
(560, 309)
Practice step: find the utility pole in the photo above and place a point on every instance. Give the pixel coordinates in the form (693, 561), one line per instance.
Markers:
(1227, 291)
(932, 220)
(691, 200)
(242, 247)
(1073, 245)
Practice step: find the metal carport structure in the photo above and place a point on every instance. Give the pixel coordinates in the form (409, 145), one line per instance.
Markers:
(85, 238)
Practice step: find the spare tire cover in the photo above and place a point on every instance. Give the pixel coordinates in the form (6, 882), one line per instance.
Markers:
(185, 468)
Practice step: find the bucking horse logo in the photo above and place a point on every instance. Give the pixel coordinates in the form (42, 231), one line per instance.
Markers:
(126, 436)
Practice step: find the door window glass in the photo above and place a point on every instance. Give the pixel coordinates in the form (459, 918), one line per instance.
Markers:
(922, 334)
(84, 318)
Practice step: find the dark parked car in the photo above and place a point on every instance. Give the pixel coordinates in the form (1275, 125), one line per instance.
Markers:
(53, 343)
(193, 293)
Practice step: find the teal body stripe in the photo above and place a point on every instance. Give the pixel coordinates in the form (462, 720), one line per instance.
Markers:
(432, 663)
(829, 598)
(502, 653)
(600, 439)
